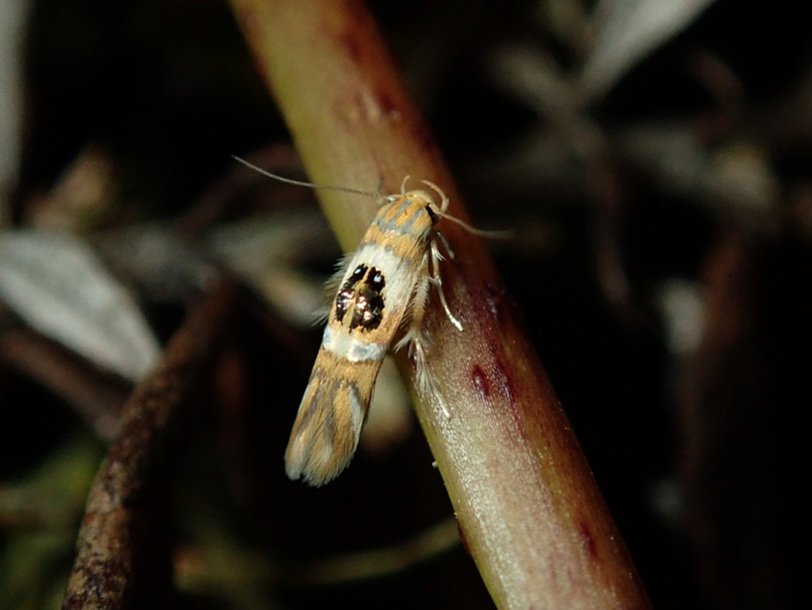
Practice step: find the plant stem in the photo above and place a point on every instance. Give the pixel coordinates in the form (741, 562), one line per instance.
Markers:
(528, 507)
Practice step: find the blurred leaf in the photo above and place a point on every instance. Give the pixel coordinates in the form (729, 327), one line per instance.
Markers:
(86, 192)
(12, 16)
(160, 263)
(733, 176)
(567, 19)
(53, 494)
(42, 511)
(625, 31)
(683, 315)
(56, 283)
(740, 178)
(27, 570)
(671, 154)
(269, 252)
(535, 78)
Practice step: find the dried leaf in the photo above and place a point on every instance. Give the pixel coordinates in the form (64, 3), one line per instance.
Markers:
(56, 283)
(625, 31)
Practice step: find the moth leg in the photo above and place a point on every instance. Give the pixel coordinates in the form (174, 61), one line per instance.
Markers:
(416, 338)
(425, 382)
(436, 257)
(417, 311)
(418, 346)
(433, 277)
(441, 238)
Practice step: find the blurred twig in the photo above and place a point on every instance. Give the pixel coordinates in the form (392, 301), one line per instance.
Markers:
(212, 568)
(95, 395)
(119, 564)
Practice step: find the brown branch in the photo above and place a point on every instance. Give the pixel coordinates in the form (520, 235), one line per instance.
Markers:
(119, 563)
(528, 507)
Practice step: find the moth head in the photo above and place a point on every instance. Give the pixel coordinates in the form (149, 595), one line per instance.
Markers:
(432, 214)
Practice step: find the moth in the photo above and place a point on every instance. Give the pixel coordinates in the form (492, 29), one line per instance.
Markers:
(382, 292)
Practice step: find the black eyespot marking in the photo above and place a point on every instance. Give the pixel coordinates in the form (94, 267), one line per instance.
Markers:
(364, 299)
(376, 280)
(357, 274)
(346, 293)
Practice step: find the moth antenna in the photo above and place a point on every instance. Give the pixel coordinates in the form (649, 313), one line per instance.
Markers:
(440, 192)
(444, 201)
(474, 230)
(323, 187)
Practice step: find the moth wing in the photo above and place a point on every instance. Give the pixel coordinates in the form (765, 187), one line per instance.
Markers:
(330, 288)
(327, 428)
(334, 281)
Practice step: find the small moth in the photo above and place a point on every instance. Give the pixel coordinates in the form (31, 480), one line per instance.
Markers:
(382, 291)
